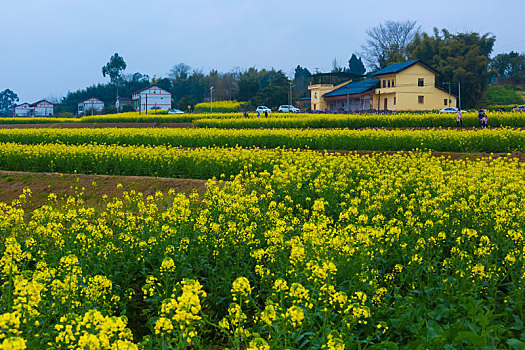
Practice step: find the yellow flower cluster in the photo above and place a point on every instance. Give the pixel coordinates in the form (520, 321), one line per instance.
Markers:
(179, 318)
(313, 250)
(94, 331)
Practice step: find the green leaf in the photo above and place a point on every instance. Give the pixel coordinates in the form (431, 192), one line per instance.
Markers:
(516, 344)
(475, 339)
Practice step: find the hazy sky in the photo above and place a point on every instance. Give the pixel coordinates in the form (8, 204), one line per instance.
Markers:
(51, 47)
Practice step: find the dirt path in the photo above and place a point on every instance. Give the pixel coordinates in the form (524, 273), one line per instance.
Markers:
(93, 187)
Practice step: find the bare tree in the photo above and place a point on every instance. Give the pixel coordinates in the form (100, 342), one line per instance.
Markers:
(336, 68)
(179, 71)
(387, 43)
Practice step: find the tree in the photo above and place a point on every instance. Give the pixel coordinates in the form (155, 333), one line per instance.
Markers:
(355, 65)
(8, 100)
(274, 89)
(300, 81)
(113, 67)
(461, 57)
(508, 65)
(387, 43)
(128, 83)
(249, 84)
(179, 71)
(336, 68)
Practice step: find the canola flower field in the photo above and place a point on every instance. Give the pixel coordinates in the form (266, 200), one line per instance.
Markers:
(291, 120)
(292, 249)
(502, 140)
(403, 119)
(221, 106)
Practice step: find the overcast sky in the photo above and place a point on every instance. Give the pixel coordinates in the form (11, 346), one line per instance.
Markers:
(51, 47)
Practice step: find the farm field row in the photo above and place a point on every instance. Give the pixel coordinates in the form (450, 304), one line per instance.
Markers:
(500, 140)
(425, 120)
(126, 117)
(291, 120)
(303, 250)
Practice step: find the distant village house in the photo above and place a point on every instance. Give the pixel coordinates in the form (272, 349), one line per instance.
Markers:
(41, 108)
(151, 98)
(92, 105)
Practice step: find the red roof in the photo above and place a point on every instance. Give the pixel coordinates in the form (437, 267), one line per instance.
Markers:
(152, 86)
(37, 102)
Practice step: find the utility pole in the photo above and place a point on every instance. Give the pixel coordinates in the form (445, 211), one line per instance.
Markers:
(211, 99)
(347, 98)
(459, 95)
(379, 101)
(290, 98)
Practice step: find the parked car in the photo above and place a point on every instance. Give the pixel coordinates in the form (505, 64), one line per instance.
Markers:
(519, 109)
(175, 111)
(288, 109)
(262, 109)
(451, 110)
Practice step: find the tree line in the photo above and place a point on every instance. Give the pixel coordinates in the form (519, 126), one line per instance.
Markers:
(459, 57)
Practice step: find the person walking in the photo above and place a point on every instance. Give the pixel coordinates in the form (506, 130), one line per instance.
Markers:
(459, 119)
(481, 114)
(266, 114)
(484, 121)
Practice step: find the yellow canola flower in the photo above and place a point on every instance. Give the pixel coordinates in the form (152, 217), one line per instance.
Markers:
(296, 315)
(241, 288)
(13, 343)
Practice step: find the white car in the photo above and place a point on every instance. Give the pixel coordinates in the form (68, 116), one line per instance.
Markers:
(451, 110)
(175, 111)
(262, 109)
(288, 109)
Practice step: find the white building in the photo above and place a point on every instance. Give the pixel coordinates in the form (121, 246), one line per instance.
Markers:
(41, 108)
(91, 105)
(23, 110)
(151, 98)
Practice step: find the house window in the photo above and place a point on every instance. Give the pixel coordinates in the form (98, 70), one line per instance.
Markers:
(393, 82)
(421, 99)
(445, 101)
(394, 100)
(384, 83)
(420, 82)
(315, 95)
(389, 83)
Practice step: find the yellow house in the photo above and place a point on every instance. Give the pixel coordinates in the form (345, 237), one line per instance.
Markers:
(406, 86)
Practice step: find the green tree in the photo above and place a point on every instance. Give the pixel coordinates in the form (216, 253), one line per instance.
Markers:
(300, 81)
(129, 83)
(249, 84)
(355, 65)
(461, 57)
(8, 100)
(112, 69)
(508, 65)
(274, 89)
